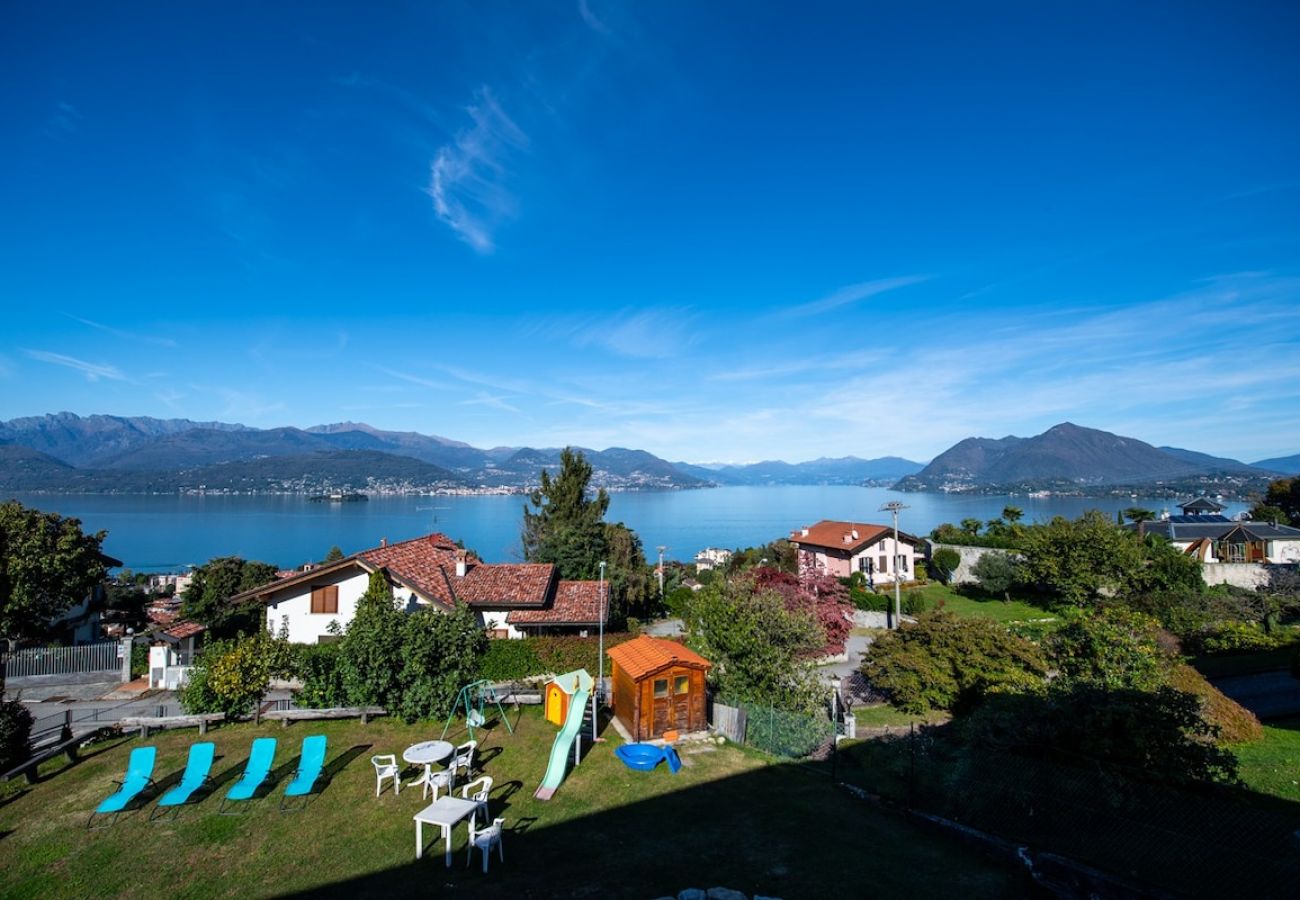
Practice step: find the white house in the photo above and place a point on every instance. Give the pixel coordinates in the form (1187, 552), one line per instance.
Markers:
(841, 548)
(428, 571)
(711, 558)
(172, 653)
(1201, 531)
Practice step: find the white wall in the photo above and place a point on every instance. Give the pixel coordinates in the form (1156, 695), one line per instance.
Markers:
(969, 556)
(293, 605)
(1243, 575)
(1284, 551)
(886, 547)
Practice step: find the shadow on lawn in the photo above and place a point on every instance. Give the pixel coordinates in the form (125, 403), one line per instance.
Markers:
(775, 831)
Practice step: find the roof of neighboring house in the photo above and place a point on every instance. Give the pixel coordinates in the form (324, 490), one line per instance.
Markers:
(847, 536)
(1201, 504)
(1215, 528)
(576, 603)
(179, 631)
(646, 655)
(427, 566)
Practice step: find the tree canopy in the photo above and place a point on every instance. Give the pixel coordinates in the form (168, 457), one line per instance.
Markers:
(207, 598)
(1281, 503)
(565, 526)
(47, 564)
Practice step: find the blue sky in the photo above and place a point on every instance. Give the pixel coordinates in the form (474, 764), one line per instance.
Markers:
(715, 231)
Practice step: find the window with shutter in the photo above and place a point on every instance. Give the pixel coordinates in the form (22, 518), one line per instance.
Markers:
(325, 599)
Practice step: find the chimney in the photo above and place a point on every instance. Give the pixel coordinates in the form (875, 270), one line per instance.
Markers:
(461, 564)
(383, 542)
(805, 532)
(855, 534)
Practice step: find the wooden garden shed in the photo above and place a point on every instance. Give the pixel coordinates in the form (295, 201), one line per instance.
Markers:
(658, 687)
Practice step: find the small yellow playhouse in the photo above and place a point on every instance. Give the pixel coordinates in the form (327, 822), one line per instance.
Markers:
(556, 697)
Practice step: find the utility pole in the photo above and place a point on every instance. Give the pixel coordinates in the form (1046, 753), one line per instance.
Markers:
(600, 679)
(894, 506)
(662, 548)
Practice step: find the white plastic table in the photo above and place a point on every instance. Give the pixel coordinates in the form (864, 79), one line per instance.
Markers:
(444, 813)
(426, 753)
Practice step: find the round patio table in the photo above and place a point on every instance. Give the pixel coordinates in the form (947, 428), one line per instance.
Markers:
(426, 753)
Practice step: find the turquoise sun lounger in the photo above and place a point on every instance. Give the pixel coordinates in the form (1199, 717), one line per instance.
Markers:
(197, 769)
(139, 775)
(310, 764)
(258, 767)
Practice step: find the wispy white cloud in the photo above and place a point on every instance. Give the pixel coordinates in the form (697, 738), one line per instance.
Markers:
(850, 293)
(413, 379)
(125, 335)
(649, 334)
(65, 120)
(594, 22)
(92, 371)
(468, 175)
(483, 398)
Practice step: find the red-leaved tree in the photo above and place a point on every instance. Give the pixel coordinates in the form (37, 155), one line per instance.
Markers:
(822, 596)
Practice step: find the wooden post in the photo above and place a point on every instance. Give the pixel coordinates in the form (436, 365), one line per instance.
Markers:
(203, 727)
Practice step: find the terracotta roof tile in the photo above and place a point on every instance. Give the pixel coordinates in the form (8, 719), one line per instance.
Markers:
(645, 655)
(182, 630)
(576, 603)
(840, 535)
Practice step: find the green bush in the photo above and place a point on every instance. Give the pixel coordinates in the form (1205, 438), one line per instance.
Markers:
(322, 680)
(139, 660)
(440, 655)
(507, 660)
(946, 560)
(947, 662)
(1113, 648)
(15, 734)
(677, 600)
(232, 676)
(1230, 637)
(914, 603)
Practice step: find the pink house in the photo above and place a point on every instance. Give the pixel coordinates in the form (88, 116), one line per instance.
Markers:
(841, 548)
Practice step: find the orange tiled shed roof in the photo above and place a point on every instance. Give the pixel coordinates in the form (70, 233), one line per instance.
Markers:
(646, 655)
(576, 603)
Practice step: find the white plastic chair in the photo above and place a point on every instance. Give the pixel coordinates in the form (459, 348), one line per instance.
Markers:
(478, 791)
(464, 756)
(386, 767)
(445, 779)
(485, 840)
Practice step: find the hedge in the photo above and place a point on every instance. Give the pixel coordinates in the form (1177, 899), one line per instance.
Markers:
(507, 660)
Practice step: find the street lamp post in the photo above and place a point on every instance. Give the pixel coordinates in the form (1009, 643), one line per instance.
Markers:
(894, 506)
(600, 679)
(662, 548)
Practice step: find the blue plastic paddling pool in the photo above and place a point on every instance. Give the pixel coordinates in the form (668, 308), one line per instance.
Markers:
(644, 757)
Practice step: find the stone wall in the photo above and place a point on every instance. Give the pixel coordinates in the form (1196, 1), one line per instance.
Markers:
(1251, 576)
(969, 556)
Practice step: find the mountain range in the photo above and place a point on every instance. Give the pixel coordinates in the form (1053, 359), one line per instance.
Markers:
(1070, 458)
(100, 453)
(65, 452)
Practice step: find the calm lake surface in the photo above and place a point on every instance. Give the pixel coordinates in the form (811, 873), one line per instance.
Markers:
(163, 533)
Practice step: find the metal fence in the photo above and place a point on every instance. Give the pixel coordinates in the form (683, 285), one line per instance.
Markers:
(50, 728)
(1207, 841)
(780, 732)
(33, 661)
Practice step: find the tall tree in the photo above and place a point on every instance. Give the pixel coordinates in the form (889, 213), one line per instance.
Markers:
(1138, 514)
(566, 526)
(207, 598)
(1283, 497)
(1012, 513)
(1082, 559)
(47, 564)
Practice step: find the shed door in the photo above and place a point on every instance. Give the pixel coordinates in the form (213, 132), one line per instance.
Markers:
(662, 701)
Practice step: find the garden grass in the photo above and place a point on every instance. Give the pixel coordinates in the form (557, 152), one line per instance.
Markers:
(731, 817)
(881, 715)
(1015, 610)
(1271, 765)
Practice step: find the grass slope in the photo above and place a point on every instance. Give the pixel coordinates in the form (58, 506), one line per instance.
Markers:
(990, 608)
(729, 818)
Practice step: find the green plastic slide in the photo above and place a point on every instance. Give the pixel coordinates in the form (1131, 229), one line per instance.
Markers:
(577, 685)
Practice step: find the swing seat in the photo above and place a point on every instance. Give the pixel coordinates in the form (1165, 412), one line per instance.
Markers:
(475, 719)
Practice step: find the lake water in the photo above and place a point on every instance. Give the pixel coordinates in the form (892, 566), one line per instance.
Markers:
(164, 533)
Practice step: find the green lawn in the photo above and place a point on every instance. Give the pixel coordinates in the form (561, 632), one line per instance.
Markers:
(880, 715)
(1002, 610)
(730, 817)
(1272, 765)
